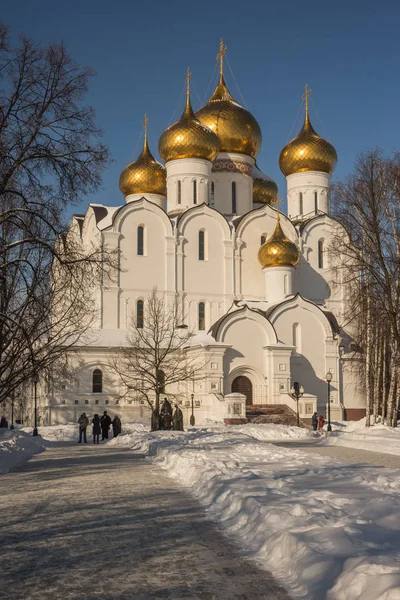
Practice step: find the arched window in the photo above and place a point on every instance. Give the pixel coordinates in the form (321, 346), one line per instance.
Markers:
(297, 337)
(179, 192)
(301, 203)
(194, 192)
(161, 382)
(139, 314)
(97, 381)
(201, 245)
(320, 254)
(140, 240)
(212, 193)
(263, 239)
(316, 202)
(233, 197)
(202, 316)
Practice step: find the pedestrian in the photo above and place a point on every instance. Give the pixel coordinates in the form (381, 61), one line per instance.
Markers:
(83, 423)
(105, 422)
(167, 421)
(155, 420)
(321, 422)
(3, 422)
(314, 421)
(166, 414)
(96, 428)
(177, 419)
(116, 425)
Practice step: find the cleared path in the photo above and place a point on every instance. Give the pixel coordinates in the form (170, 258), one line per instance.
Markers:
(98, 523)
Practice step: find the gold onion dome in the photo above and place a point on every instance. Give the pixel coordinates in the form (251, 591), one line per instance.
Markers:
(145, 175)
(265, 190)
(236, 128)
(307, 151)
(278, 250)
(188, 138)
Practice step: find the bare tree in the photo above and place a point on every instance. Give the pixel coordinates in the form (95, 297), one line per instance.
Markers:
(368, 205)
(157, 356)
(50, 156)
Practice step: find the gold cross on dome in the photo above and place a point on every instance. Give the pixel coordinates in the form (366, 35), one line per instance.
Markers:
(220, 56)
(305, 96)
(187, 79)
(145, 126)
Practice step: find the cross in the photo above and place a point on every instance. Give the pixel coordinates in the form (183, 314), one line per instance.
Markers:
(220, 56)
(305, 96)
(187, 79)
(145, 126)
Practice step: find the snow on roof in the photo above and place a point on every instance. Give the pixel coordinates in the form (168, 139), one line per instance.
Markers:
(202, 339)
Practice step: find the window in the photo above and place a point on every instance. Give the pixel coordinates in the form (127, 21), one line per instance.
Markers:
(107, 402)
(212, 194)
(97, 383)
(234, 197)
(201, 245)
(86, 401)
(301, 203)
(194, 192)
(76, 401)
(316, 202)
(179, 192)
(96, 401)
(263, 239)
(140, 240)
(139, 314)
(161, 382)
(202, 316)
(63, 402)
(320, 254)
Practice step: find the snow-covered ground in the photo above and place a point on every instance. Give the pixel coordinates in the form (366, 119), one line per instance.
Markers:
(17, 447)
(354, 434)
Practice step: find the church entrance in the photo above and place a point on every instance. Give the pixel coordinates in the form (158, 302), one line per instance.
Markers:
(243, 385)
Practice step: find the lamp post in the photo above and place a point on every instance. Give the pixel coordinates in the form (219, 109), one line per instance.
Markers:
(329, 379)
(192, 419)
(12, 411)
(297, 392)
(35, 382)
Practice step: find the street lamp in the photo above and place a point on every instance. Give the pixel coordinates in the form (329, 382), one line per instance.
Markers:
(192, 419)
(297, 392)
(329, 379)
(35, 382)
(12, 411)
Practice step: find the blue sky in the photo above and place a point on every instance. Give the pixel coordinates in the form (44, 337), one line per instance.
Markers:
(347, 52)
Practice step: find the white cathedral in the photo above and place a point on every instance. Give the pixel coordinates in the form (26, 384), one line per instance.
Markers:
(256, 285)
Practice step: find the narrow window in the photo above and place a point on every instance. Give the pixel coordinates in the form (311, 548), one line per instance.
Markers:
(140, 240)
(194, 192)
(233, 197)
(320, 254)
(97, 383)
(139, 314)
(301, 203)
(201, 245)
(212, 194)
(179, 192)
(202, 316)
(316, 202)
(263, 239)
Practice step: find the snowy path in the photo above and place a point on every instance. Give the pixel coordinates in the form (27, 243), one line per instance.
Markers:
(352, 455)
(102, 523)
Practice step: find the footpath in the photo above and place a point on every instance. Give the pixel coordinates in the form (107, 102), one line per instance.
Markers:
(104, 524)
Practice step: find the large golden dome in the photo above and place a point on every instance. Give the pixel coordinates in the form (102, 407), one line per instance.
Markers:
(144, 176)
(265, 190)
(188, 138)
(307, 151)
(278, 250)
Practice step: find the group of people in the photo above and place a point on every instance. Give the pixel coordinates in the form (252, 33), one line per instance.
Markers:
(166, 418)
(3, 422)
(317, 422)
(101, 425)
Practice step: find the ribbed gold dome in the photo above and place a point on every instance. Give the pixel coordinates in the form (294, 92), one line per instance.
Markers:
(188, 138)
(278, 250)
(144, 176)
(307, 152)
(236, 128)
(265, 190)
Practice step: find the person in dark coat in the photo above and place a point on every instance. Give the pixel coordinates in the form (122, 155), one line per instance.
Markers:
(314, 421)
(155, 420)
(116, 425)
(166, 414)
(105, 422)
(3, 422)
(321, 422)
(177, 419)
(83, 423)
(96, 428)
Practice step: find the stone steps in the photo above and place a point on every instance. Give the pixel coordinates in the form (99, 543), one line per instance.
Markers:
(277, 414)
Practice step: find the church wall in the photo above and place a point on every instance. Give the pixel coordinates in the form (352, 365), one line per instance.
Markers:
(311, 185)
(231, 168)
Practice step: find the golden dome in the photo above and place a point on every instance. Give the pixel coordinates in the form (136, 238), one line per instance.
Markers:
(278, 250)
(144, 176)
(188, 138)
(265, 190)
(307, 151)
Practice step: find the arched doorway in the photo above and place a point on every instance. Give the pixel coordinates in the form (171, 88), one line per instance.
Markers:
(243, 385)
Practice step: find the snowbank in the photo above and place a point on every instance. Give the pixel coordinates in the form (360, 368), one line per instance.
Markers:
(324, 528)
(17, 447)
(354, 434)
